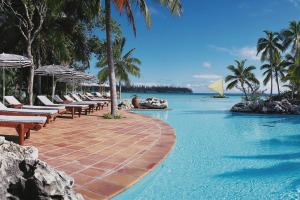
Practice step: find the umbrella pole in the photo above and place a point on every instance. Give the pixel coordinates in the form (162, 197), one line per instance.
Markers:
(53, 87)
(3, 74)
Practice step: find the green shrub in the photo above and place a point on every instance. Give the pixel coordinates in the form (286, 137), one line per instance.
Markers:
(110, 116)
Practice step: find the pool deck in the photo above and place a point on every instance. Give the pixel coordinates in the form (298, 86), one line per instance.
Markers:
(104, 156)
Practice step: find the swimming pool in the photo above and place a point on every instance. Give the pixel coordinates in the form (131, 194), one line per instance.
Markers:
(223, 155)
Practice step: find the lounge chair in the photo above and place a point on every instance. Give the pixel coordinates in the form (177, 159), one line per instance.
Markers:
(100, 102)
(78, 101)
(99, 95)
(14, 103)
(71, 108)
(89, 94)
(60, 100)
(23, 125)
(50, 114)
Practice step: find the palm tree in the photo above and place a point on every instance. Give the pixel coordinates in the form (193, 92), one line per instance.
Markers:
(175, 8)
(293, 72)
(270, 48)
(279, 71)
(291, 36)
(28, 19)
(241, 75)
(124, 65)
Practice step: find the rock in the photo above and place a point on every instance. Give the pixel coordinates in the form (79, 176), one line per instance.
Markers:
(295, 110)
(241, 107)
(23, 176)
(154, 103)
(125, 105)
(261, 106)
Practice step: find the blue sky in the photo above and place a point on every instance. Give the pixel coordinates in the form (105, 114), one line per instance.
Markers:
(194, 50)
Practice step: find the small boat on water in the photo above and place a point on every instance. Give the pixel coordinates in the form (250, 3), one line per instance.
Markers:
(217, 86)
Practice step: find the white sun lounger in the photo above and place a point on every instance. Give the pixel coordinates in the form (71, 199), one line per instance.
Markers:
(78, 101)
(23, 125)
(14, 103)
(50, 114)
(99, 103)
(72, 108)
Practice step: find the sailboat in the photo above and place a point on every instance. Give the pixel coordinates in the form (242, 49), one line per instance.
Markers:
(217, 86)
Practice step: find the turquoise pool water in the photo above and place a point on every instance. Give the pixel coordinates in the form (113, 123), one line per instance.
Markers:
(223, 155)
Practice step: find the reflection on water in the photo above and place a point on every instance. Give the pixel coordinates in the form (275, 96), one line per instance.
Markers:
(223, 155)
(162, 115)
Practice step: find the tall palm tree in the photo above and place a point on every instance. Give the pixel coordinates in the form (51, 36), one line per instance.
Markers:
(291, 36)
(175, 8)
(124, 64)
(270, 47)
(241, 75)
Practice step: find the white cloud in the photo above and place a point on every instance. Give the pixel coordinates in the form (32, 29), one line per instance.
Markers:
(295, 2)
(207, 76)
(206, 64)
(246, 52)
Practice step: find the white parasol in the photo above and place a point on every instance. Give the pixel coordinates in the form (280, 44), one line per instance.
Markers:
(57, 71)
(12, 61)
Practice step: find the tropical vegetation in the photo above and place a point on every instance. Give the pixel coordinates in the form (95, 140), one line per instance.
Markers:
(280, 57)
(242, 77)
(175, 8)
(124, 64)
(63, 32)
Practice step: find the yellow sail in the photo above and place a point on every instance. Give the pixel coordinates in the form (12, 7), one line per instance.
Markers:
(217, 87)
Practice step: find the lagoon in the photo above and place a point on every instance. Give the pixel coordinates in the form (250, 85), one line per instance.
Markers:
(223, 155)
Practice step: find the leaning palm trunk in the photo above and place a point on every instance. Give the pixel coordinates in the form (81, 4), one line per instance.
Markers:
(244, 90)
(112, 77)
(277, 81)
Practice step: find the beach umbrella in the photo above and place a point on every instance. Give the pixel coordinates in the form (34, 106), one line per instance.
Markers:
(103, 86)
(77, 77)
(57, 71)
(12, 61)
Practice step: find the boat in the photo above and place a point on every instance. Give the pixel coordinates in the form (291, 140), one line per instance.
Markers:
(217, 86)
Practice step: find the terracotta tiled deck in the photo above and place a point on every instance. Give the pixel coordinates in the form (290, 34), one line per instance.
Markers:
(105, 157)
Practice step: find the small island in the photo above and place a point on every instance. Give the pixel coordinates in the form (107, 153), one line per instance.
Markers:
(284, 106)
(156, 89)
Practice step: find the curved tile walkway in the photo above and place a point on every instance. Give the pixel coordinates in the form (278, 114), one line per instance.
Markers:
(105, 157)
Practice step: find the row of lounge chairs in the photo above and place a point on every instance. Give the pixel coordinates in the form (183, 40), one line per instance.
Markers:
(37, 117)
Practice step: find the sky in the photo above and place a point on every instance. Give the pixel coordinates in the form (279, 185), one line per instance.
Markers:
(194, 50)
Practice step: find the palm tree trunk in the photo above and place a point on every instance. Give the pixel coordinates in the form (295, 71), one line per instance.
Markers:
(271, 93)
(293, 90)
(112, 77)
(245, 92)
(277, 81)
(120, 88)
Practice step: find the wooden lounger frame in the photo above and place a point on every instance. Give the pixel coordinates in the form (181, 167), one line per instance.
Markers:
(23, 129)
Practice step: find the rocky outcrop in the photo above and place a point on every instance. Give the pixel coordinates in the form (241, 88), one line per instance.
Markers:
(154, 103)
(125, 105)
(262, 106)
(23, 176)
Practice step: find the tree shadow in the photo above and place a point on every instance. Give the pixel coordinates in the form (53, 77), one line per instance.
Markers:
(284, 156)
(273, 118)
(11, 138)
(275, 170)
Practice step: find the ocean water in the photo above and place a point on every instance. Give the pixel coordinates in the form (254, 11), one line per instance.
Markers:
(223, 155)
